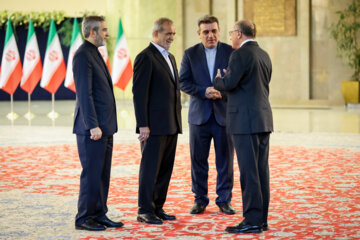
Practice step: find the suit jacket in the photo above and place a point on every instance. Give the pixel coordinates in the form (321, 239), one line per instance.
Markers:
(195, 78)
(95, 101)
(247, 83)
(156, 94)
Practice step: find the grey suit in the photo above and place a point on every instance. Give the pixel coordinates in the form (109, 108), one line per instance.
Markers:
(249, 120)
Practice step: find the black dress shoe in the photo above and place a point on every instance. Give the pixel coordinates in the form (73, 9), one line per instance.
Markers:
(108, 223)
(164, 216)
(149, 218)
(244, 228)
(197, 208)
(227, 209)
(90, 225)
(264, 227)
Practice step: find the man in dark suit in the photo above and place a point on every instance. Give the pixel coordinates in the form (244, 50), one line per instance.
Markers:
(158, 120)
(94, 125)
(207, 112)
(249, 120)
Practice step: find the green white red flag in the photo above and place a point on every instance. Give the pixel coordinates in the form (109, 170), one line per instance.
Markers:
(104, 53)
(54, 66)
(122, 69)
(10, 63)
(32, 67)
(76, 41)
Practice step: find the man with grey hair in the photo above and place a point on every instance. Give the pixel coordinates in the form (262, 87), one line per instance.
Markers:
(94, 125)
(158, 120)
(250, 123)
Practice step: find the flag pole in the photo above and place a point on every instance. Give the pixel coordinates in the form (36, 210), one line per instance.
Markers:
(53, 115)
(29, 115)
(12, 115)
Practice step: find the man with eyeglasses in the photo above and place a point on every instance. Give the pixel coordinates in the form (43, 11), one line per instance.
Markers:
(250, 123)
(207, 112)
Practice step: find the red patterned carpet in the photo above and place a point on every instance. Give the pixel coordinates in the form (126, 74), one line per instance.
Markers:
(315, 194)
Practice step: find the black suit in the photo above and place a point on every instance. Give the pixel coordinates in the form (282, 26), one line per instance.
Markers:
(95, 107)
(157, 106)
(249, 120)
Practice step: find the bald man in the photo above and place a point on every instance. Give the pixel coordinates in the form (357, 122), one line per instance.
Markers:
(249, 121)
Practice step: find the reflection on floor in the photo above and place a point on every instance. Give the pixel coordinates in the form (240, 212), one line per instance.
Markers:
(336, 119)
(310, 147)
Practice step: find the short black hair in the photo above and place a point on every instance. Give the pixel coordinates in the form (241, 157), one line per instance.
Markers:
(208, 19)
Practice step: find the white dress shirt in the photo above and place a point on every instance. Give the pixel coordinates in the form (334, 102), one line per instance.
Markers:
(165, 54)
(247, 40)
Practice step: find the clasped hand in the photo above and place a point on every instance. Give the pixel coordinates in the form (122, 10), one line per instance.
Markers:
(212, 93)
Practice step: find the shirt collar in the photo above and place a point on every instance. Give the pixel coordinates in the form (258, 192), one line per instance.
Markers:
(247, 40)
(210, 49)
(162, 50)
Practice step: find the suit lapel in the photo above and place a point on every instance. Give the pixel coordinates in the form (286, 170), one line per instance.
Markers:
(103, 66)
(173, 63)
(162, 60)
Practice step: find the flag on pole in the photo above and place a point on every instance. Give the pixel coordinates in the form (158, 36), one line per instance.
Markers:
(104, 53)
(32, 69)
(11, 66)
(76, 41)
(54, 66)
(122, 69)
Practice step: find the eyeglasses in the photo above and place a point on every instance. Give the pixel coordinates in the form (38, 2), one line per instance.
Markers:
(230, 32)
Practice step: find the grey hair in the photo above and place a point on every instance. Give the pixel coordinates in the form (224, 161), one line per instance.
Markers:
(158, 24)
(247, 27)
(91, 23)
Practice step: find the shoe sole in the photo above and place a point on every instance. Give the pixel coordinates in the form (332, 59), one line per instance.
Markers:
(86, 229)
(173, 219)
(114, 226)
(228, 213)
(247, 231)
(143, 221)
(198, 212)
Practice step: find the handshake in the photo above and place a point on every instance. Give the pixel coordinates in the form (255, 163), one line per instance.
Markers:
(212, 93)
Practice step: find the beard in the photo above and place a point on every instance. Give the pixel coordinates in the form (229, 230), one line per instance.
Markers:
(99, 41)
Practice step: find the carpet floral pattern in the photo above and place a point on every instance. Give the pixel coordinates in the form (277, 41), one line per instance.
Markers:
(315, 194)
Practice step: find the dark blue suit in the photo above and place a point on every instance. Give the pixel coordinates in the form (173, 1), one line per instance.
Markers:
(95, 107)
(206, 122)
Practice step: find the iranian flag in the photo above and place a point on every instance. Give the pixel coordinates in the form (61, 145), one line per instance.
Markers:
(122, 69)
(32, 63)
(76, 41)
(10, 63)
(54, 66)
(104, 53)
